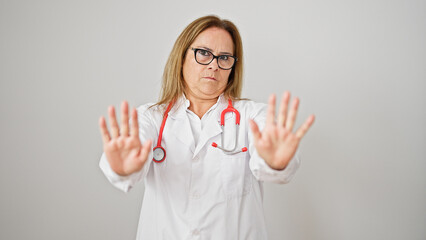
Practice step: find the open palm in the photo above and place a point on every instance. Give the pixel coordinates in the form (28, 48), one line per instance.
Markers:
(277, 143)
(124, 150)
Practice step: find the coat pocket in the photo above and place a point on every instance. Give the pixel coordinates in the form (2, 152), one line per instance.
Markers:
(236, 175)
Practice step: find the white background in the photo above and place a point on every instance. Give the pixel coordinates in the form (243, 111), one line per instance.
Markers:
(360, 66)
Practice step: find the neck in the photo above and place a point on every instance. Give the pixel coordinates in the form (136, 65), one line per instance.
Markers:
(200, 106)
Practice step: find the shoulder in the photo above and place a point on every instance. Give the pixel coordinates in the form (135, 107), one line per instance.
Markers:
(150, 111)
(250, 108)
(148, 107)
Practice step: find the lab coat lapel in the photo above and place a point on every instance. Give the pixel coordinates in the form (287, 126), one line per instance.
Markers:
(212, 127)
(180, 125)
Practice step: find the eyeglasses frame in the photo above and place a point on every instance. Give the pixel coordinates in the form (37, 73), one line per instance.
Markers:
(214, 56)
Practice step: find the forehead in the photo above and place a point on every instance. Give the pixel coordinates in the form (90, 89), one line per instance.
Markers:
(216, 39)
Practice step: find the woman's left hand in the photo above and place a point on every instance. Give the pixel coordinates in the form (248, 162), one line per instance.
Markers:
(277, 143)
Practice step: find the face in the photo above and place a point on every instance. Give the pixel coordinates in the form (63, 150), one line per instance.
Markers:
(207, 81)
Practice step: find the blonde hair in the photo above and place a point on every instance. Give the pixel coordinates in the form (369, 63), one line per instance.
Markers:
(173, 85)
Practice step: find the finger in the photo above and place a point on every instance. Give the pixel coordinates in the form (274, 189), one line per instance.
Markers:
(134, 131)
(255, 129)
(113, 122)
(292, 114)
(145, 150)
(282, 114)
(270, 115)
(104, 130)
(305, 127)
(124, 128)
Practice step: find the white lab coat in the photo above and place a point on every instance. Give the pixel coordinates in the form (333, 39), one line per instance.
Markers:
(199, 192)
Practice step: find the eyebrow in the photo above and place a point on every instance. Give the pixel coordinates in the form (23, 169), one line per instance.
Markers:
(211, 50)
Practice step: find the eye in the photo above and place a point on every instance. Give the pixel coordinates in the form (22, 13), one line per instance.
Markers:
(204, 52)
(224, 57)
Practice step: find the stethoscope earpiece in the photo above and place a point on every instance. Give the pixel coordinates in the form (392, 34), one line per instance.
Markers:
(244, 149)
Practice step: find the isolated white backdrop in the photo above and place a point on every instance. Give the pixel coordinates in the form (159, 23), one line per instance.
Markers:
(360, 66)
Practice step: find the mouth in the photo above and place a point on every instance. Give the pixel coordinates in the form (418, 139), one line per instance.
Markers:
(210, 78)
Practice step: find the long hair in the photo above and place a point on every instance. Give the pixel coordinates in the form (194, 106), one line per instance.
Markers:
(173, 85)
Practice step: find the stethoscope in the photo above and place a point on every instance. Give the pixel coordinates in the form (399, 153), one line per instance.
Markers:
(159, 153)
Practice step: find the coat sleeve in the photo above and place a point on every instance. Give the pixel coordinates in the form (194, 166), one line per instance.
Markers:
(147, 130)
(258, 166)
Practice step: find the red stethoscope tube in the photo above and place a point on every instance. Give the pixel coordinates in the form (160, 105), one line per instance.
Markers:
(159, 153)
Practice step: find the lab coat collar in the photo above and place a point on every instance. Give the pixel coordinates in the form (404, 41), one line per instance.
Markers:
(178, 109)
(210, 130)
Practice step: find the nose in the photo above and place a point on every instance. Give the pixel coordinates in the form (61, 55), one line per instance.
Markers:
(214, 65)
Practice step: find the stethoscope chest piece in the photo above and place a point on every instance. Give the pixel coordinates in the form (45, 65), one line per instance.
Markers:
(159, 154)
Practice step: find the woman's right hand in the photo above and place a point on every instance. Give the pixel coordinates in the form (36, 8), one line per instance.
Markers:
(124, 151)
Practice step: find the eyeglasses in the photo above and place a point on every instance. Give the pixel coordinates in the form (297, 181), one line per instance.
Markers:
(205, 57)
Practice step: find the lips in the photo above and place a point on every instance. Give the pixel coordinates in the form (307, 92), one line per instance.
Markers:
(211, 78)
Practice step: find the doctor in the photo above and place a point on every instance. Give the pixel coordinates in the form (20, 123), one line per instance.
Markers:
(194, 190)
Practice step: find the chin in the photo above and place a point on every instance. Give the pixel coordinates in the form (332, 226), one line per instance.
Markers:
(211, 94)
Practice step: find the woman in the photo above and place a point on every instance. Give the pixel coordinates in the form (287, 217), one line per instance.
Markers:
(194, 190)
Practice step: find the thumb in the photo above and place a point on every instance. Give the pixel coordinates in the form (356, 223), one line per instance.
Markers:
(145, 150)
(255, 129)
